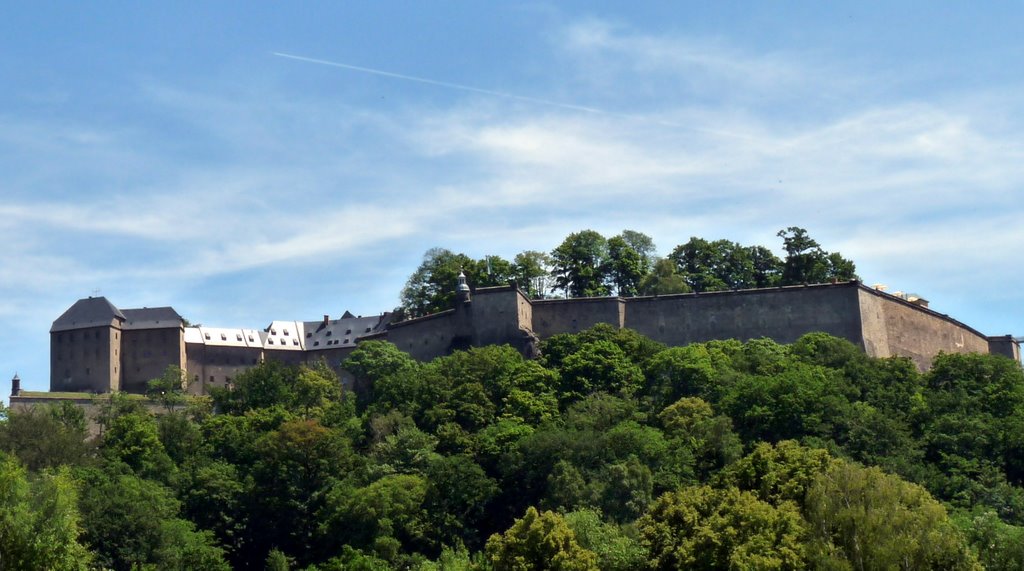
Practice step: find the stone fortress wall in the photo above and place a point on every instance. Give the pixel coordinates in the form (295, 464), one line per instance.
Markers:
(97, 348)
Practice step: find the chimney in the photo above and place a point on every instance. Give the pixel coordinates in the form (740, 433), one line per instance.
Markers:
(326, 319)
(15, 386)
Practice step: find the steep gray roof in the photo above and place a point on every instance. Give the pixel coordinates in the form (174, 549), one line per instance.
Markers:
(151, 318)
(337, 333)
(88, 312)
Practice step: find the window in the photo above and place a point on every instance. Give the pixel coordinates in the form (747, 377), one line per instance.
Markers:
(348, 332)
(87, 371)
(270, 341)
(295, 342)
(97, 334)
(223, 337)
(273, 331)
(346, 340)
(329, 333)
(238, 337)
(316, 343)
(207, 335)
(286, 332)
(211, 378)
(309, 334)
(368, 329)
(250, 339)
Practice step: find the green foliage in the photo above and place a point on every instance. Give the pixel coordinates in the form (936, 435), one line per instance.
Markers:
(46, 436)
(783, 472)
(169, 388)
(532, 271)
(579, 265)
(807, 263)
(39, 521)
(999, 546)
(617, 548)
(663, 279)
(431, 288)
(625, 267)
(123, 517)
(609, 428)
(599, 366)
(539, 541)
(872, 520)
(708, 528)
(134, 440)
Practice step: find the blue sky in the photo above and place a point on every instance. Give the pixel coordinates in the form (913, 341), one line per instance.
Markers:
(161, 154)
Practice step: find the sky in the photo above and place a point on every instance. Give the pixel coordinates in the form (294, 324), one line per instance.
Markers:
(251, 161)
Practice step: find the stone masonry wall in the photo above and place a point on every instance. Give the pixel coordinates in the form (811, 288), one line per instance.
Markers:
(892, 326)
(782, 314)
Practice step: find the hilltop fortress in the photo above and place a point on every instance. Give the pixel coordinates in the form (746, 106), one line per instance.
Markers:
(96, 347)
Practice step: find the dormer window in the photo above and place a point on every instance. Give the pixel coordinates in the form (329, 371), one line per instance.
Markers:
(223, 337)
(348, 332)
(329, 333)
(316, 343)
(207, 335)
(270, 341)
(286, 332)
(238, 336)
(309, 334)
(250, 339)
(273, 331)
(295, 342)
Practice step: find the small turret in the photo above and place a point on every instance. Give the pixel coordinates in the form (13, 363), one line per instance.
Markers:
(15, 386)
(462, 291)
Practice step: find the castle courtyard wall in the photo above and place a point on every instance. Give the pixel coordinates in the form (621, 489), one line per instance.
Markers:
(783, 314)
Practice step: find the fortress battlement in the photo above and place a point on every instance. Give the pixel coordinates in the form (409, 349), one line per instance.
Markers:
(96, 347)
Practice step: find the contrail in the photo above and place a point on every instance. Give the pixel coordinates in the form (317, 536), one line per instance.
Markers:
(469, 88)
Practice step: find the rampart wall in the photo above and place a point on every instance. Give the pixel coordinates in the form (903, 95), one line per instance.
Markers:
(782, 314)
(554, 316)
(427, 337)
(892, 326)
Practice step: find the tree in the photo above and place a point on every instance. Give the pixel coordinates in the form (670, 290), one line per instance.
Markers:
(874, 520)
(663, 280)
(642, 244)
(706, 528)
(532, 272)
(431, 288)
(807, 263)
(371, 363)
(615, 549)
(579, 265)
(625, 267)
(599, 366)
(539, 541)
(169, 388)
(134, 440)
(39, 521)
(46, 436)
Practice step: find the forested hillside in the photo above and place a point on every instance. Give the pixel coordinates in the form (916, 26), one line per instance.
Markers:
(611, 452)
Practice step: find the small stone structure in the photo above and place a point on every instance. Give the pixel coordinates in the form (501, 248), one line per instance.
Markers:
(97, 348)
